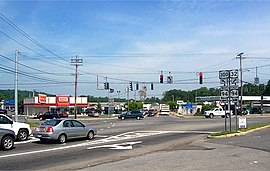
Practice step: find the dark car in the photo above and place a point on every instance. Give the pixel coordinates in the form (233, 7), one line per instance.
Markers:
(63, 115)
(3, 111)
(132, 114)
(7, 138)
(48, 115)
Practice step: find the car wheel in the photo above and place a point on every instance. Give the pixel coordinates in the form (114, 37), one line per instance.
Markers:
(122, 117)
(206, 116)
(22, 135)
(62, 138)
(7, 143)
(90, 135)
(138, 118)
(211, 116)
(223, 116)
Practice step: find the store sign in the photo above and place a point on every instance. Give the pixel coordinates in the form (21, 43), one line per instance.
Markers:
(42, 98)
(62, 101)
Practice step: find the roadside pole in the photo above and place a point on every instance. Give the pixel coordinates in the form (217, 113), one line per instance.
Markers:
(16, 86)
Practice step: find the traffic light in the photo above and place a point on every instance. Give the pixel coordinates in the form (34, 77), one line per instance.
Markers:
(137, 86)
(130, 86)
(201, 77)
(152, 86)
(106, 86)
(161, 78)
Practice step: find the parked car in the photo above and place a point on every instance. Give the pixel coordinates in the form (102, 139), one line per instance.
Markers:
(152, 112)
(62, 129)
(132, 114)
(7, 138)
(22, 130)
(91, 112)
(3, 111)
(63, 115)
(48, 115)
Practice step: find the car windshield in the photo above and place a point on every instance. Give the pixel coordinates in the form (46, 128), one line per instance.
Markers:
(52, 122)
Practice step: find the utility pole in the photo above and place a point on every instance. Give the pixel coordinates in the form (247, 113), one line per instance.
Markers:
(16, 86)
(76, 62)
(240, 56)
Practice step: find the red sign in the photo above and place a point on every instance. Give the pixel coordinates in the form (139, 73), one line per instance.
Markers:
(62, 101)
(42, 98)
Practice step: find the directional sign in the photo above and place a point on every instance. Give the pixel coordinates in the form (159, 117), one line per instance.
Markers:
(234, 93)
(234, 73)
(224, 88)
(234, 81)
(234, 87)
(224, 93)
(170, 79)
(224, 81)
(224, 74)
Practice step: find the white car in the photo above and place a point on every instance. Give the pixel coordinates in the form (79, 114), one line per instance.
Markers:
(22, 130)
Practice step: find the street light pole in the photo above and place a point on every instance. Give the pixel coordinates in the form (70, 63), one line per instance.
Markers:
(240, 57)
(16, 86)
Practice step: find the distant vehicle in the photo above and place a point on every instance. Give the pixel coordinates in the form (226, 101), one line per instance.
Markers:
(63, 115)
(132, 114)
(3, 111)
(164, 109)
(216, 112)
(48, 115)
(91, 112)
(152, 112)
(7, 138)
(22, 130)
(62, 129)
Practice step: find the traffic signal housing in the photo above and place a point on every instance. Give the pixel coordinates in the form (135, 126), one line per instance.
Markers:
(161, 78)
(130, 86)
(106, 86)
(201, 78)
(152, 86)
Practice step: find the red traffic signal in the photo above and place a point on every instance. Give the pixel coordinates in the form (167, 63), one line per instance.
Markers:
(161, 78)
(201, 77)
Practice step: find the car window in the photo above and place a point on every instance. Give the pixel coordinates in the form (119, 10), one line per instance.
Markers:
(52, 122)
(68, 124)
(4, 120)
(77, 124)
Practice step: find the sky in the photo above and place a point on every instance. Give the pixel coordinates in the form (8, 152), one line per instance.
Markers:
(131, 41)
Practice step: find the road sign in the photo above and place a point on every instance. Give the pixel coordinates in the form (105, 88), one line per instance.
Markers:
(234, 87)
(234, 93)
(224, 74)
(234, 81)
(224, 93)
(224, 81)
(170, 79)
(234, 73)
(224, 88)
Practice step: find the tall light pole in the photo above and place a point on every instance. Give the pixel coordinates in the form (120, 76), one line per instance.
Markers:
(240, 57)
(76, 62)
(16, 86)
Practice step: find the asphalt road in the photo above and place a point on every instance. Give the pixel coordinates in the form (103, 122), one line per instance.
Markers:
(125, 141)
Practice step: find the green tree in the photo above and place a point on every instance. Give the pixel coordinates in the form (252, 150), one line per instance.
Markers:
(135, 105)
(173, 105)
(267, 89)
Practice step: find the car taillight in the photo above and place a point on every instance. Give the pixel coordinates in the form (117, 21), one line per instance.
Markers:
(50, 129)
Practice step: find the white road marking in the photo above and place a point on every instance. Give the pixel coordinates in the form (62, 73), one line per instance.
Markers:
(32, 139)
(120, 137)
(122, 146)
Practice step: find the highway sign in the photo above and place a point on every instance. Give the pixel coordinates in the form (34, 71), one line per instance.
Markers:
(234, 87)
(234, 81)
(234, 73)
(224, 93)
(224, 88)
(224, 74)
(224, 81)
(170, 79)
(234, 93)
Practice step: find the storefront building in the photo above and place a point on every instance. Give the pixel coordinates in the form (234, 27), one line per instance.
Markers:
(60, 103)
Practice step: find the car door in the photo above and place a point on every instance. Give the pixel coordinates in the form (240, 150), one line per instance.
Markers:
(6, 123)
(80, 129)
(69, 129)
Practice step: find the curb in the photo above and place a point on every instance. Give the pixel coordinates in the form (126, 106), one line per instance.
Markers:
(238, 134)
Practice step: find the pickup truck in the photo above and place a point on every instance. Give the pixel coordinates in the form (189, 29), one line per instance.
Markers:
(216, 112)
(22, 130)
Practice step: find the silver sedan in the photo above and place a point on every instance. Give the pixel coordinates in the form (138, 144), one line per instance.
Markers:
(63, 129)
